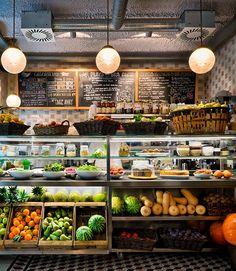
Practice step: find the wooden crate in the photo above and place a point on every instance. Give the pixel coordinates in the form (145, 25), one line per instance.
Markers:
(2, 205)
(43, 244)
(83, 211)
(23, 243)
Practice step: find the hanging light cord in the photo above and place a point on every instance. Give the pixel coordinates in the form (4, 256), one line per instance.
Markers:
(14, 18)
(107, 22)
(201, 19)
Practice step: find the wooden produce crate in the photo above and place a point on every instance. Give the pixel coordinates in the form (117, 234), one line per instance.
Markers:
(2, 205)
(32, 206)
(56, 244)
(83, 211)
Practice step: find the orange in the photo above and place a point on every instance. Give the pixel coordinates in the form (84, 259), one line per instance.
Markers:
(20, 217)
(26, 228)
(31, 223)
(36, 226)
(38, 211)
(28, 219)
(33, 215)
(35, 238)
(23, 223)
(23, 233)
(17, 213)
(16, 222)
(28, 232)
(16, 231)
(20, 227)
(37, 219)
(28, 237)
(12, 228)
(11, 235)
(35, 232)
(26, 212)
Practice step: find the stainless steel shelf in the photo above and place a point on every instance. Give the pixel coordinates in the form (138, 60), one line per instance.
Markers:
(167, 250)
(192, 182)
(52, 251)
(51, 157)
(166, 218)
(174, 157)
(43, 182)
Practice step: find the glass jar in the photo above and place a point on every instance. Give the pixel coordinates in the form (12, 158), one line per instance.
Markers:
(84, 151)
(60, 149)
(113, 107)
(23, 150)
(108, 107)
(71, 150)
(120, 107)
(12, 150)
(35, 150)
(146, 108)
(138, 108)
(124, 149)
(165, 108)
(155, 108)
(129, 107)
(45, 151)
(103, 107)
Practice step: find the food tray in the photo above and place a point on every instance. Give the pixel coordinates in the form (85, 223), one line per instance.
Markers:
(83, 211)
(146, 240)
(52, 130)
(13, 128)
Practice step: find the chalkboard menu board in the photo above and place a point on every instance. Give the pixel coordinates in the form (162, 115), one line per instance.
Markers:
(162, 86)
(47, 89)
(96, 86)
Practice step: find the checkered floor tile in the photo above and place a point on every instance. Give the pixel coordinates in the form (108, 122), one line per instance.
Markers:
(130, 262)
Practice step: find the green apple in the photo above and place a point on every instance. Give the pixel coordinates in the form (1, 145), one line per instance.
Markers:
(1, 219)
(6, 210)
(1, 225)
(3, 215)
(4, 221)
(0, 210)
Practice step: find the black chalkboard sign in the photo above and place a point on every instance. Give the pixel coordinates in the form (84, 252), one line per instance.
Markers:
(96, 86)
(47, 89)
(176, 86)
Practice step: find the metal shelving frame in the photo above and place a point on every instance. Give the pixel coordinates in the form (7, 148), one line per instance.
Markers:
(118, 184)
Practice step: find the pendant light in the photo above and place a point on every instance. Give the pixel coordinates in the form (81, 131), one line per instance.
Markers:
(13, 59)
(202, 59)
(108, 59)
(13, 101)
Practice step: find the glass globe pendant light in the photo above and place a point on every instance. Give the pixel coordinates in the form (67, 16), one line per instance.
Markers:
(13, 59)
(107, 59)
(202, 59)
(13, 101)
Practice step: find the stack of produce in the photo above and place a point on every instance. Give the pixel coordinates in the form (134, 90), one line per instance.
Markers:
(52, 128)
(4, 212)
(25, 224)
(58, 225)
(129, 205)
(182, 238)
(219, 204)
(11, 125)
(167, 204)
(96, 225)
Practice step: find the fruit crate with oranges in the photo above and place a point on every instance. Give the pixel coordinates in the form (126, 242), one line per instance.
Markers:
(5, 211)
(57, 225)
(24, 225)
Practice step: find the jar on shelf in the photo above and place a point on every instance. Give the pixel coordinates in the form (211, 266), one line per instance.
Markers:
(84, 151)
(138, 108)
(146, 108)
(103, 107)
(129, 107)
(23, 150)
(155, 108)
(165, 108)
(113, 107)
(60, 149)
(71, 150)
(35, 150)
(108, 107)
(99, 108)
(120, 107)
(45, 151)
(12, 150)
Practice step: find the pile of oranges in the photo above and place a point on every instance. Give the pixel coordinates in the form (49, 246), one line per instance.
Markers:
(25, 224)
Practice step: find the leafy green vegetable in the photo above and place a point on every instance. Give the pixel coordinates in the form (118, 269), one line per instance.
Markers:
(138, 117)
(54, 167)
(88, 168)
(98, 153)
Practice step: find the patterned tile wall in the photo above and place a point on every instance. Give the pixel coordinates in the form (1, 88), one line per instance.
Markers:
(223, 75)
(32, 117)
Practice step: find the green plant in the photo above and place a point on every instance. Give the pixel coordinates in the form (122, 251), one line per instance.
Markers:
(23, 196)
(12, 194)
(55, 167)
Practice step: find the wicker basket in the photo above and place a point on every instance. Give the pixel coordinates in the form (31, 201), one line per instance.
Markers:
(52, 130)
(201, 121)
(12, 128)
(97, 127)
(145, 241)
(139, 128)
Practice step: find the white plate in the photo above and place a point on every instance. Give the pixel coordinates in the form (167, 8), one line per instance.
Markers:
(51, 175)
(152, 154)
(202, 176)
(88, 174)
(38, 172)
(21, 175)
(117, 176)
(177, 177)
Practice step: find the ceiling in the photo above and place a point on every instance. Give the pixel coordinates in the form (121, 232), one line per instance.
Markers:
(167, 42)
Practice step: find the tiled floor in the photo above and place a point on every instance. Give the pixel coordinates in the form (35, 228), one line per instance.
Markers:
(131, 262)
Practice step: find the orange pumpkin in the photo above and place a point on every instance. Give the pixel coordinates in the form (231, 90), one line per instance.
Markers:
(216, 233)
(229, 229)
